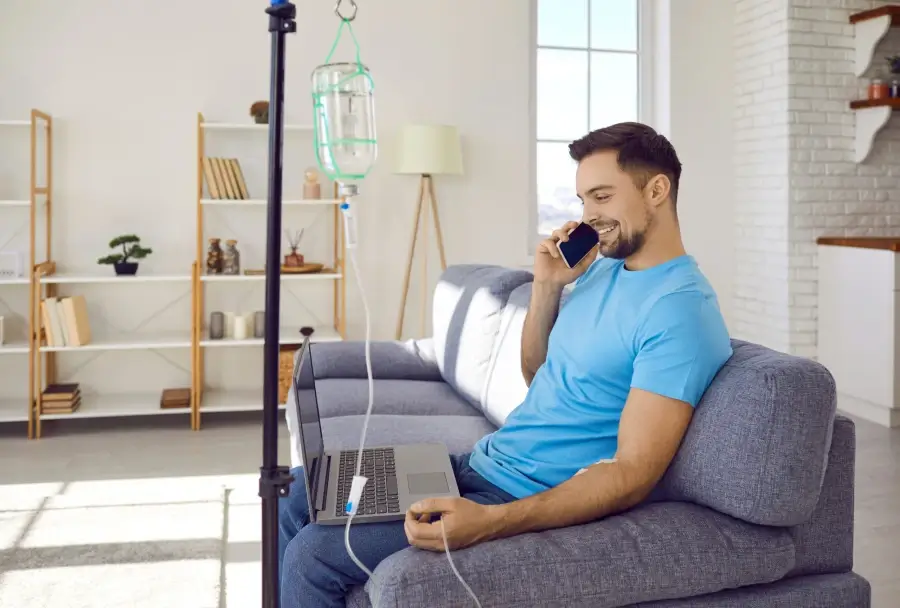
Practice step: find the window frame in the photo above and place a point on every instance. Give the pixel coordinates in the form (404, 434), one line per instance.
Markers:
(646, 109)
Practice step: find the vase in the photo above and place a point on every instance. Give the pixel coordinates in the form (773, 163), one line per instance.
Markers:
(293, 259)
(231, 259)
(214, 257)
(126, 268)
(216, 326)
(259, 324)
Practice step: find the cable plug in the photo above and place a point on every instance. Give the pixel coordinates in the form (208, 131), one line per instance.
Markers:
(349, 225)
(356, 490)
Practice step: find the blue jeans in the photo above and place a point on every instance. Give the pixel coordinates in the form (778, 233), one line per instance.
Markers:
(315, 569)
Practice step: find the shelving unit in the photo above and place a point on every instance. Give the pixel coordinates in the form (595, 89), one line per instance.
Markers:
(206, 400)
(39, 124)
(47, 283)
(869, 28)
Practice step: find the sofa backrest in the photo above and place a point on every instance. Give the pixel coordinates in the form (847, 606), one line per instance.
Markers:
(467, 309)
(757, 447)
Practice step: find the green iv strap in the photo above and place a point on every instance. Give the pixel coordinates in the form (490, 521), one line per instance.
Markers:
(324, 140)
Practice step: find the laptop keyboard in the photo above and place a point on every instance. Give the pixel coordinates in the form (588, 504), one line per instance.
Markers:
(380, 495)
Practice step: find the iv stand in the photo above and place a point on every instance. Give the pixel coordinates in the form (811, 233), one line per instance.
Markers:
(274, 480)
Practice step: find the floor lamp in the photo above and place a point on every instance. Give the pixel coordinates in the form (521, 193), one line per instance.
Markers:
(426, 150)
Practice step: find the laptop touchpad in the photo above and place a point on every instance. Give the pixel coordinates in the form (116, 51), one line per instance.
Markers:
(427, 483)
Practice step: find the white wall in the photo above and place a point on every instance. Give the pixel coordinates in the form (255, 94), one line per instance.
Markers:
(125, 83)
(698, 85)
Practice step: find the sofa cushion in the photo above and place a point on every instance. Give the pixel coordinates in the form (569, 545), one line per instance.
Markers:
(467, 307)
(458, 433)
(350, 396)
(657, 551)
(758, 444)
(505, 387)
(408, 360)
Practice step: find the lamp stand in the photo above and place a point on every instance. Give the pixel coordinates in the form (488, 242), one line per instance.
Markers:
(426, 187)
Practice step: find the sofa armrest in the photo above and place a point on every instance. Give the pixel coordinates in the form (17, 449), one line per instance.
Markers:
(391, 360)
(659, 551)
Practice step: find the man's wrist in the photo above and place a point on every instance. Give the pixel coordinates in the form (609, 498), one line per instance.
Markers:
(545, 288)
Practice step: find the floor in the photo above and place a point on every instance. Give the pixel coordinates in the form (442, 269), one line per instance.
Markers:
(150, 516)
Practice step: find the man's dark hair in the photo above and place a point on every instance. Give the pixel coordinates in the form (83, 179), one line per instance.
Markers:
(641, 152)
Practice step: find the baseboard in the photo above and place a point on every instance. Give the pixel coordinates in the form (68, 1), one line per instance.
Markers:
(880, 415)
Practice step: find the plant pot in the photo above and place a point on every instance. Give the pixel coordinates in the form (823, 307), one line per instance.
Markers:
(262, 119)
(126, 268)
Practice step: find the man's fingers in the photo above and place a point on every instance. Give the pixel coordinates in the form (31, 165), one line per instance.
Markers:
(418, 532)
(434, 505)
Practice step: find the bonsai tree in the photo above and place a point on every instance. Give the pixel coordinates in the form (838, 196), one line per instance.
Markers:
(131, 250)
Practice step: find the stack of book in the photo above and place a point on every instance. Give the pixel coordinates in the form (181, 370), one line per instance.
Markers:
(224, 179)
(61, 398)
(65, 321)
(173, 398)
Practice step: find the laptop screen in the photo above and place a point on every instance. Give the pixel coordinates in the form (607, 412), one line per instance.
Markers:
(308, 413)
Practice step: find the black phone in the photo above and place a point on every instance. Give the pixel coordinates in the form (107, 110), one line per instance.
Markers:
(582, 239)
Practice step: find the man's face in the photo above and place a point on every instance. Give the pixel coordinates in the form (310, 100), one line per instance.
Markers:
(613, 205)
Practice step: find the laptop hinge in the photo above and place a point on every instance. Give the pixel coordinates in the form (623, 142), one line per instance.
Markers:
(322, 483)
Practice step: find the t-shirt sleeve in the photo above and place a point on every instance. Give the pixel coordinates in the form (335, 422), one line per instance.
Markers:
(681, 346)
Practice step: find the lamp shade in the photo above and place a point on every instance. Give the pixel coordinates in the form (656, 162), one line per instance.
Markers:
(428, 149)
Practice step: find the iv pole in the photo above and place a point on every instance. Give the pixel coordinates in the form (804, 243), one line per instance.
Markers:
(274, 480)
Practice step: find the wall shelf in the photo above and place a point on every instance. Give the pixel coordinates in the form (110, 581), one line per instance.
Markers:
(869, 28)
(871, 116)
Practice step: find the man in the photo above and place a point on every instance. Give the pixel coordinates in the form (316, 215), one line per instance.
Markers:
(613, 378)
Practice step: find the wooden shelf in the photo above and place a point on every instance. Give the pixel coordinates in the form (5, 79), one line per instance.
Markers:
(109, 277)
(258, 202)
(287, 336)
(239, 278)
(890, 102)
(892, 11)
(154, 341)
(14, 348)
(238, 126)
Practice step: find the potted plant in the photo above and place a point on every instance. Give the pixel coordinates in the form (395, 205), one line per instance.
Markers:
(131, 250)
(260, 112)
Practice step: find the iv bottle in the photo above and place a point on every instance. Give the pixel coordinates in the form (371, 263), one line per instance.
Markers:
(344, 120)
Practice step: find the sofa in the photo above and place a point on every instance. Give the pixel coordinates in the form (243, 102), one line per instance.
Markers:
(755, 510)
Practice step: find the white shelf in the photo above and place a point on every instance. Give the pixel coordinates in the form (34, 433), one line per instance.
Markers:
(216, 401)
(15, 123)
(12, 203)
(261, 202)
(14, 281)
(116, 406)
(238, 126)
(288, 336)
(129, 342)
(110, 277)
(13, 410)
(230, 278)
(14, 348)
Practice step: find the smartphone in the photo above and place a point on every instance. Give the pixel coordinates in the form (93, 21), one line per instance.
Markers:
(582, 239)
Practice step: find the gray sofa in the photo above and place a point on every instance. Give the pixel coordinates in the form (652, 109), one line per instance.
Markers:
(756, 509)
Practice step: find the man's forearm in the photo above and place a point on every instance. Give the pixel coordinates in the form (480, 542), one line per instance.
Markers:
(602, 490)
(539, 320)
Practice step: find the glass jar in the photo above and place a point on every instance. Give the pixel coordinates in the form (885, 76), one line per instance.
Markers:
(231, 260)
(214, 257)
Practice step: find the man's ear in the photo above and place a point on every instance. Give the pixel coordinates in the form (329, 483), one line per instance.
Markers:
(658, 189)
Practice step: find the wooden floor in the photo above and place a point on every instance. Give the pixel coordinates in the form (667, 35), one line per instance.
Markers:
(141, 467)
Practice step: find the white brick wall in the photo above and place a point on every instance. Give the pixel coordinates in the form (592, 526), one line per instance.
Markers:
(807, 185)
(761, 172)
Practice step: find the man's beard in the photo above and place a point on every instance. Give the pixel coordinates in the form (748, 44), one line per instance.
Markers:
(622, 247)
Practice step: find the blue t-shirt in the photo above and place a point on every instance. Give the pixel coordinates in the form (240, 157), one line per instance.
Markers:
(658, 329)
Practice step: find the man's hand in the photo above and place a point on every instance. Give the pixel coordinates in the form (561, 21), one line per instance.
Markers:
(466, 523)
(550, 268)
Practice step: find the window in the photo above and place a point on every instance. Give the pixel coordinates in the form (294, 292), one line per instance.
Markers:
(587, 74)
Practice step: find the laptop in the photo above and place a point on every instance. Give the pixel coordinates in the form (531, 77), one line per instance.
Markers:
(398, 476)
